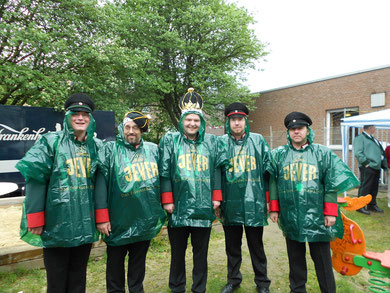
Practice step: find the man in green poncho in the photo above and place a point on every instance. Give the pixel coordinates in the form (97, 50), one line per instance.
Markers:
(371, 158)
(60, 175)
(244, 197)
(127, 200)
(304, 199)
(188, 162)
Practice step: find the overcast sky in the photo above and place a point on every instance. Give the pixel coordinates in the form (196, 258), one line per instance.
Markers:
(315, 39)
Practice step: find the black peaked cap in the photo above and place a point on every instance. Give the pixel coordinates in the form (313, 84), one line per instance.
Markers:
(238, 109)
(297, 119)
(79, 102)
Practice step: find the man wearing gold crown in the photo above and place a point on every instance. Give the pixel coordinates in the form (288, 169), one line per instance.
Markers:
(188, 163)
(127, 201)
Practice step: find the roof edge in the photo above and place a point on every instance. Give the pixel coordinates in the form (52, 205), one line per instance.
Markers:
(324, 79)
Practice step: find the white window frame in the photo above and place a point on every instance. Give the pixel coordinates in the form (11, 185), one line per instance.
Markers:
(336, 147)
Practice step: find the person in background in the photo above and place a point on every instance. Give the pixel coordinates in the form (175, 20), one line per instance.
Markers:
(387, 152)
(371, 158)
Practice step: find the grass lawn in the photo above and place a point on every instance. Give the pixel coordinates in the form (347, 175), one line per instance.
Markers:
(376, 228)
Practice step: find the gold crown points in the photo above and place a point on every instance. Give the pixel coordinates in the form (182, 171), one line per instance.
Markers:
(186, 106)
(190, 106)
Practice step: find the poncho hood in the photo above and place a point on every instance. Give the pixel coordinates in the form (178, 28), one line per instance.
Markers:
(310, 136)
(68, 130)
(202, 129)
(120, 138)
(229, 131)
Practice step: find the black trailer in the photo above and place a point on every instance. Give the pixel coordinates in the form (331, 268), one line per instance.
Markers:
(21, 126)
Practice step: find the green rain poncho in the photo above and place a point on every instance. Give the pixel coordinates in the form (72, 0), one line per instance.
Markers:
(67, 167)
(307, 180)
(189, 166)
(243, 187)
(133, 198)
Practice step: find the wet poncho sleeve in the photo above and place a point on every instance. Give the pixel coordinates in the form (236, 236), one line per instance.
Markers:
(39, 164)
(37, 170)
(101, 186)
(101, 199)
(338, 178)
(273, 195)
(164, 169)
(35, 203)
(166, 144)
(222, 161)
(217, 191)
(166, 190)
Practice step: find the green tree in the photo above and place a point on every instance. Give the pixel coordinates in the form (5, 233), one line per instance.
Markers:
(204, 44)
(40, 46)
(126, 54)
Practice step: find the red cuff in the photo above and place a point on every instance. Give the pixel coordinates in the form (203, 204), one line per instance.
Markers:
(166, 197)
(267, 195)
(274, 205)
(217, 195)
(330, 209)
(36, 220)
(102, 216)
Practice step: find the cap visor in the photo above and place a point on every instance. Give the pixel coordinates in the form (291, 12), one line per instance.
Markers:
(297, 124)
(79, 108)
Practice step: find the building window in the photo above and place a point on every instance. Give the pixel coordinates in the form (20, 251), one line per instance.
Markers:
(333, 121)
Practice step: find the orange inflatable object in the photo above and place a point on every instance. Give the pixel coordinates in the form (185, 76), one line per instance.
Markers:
(354, 203)
(353, 243)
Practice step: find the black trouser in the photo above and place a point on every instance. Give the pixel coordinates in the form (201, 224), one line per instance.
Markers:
(233, 242)
(320, 253)
(66, 268)
(115, 271)
(200, 243)
(369, 179)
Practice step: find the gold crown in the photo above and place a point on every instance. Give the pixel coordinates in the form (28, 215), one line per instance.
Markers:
(191, 101)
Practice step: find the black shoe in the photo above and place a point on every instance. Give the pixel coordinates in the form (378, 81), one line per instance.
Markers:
(375, 209)
(363, 211)
(229, 288)
(262, 290)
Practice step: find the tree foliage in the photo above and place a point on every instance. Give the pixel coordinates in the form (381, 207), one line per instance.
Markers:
(204, 44)
(141, 54)
(38, 42)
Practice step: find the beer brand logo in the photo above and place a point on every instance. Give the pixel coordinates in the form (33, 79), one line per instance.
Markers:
(141, 171)
(193, 162)
(243, 163)
(21, 135)
(300, 172)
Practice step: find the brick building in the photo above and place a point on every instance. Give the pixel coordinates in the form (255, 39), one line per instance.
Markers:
(326, 101)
